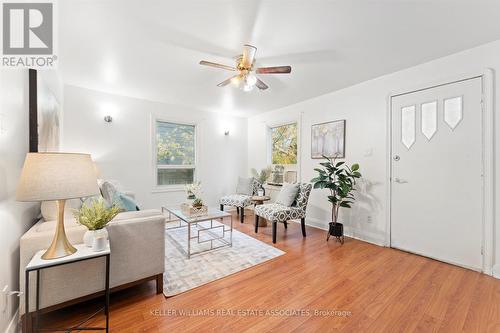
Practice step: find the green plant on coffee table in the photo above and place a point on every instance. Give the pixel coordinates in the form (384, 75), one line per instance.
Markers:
(263, 175)
(95, 215)
(197, 202)
(340, 180)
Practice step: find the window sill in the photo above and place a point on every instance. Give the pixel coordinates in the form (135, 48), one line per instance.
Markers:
(172, 188)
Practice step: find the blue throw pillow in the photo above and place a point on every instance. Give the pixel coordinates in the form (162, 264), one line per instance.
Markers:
(125, 202)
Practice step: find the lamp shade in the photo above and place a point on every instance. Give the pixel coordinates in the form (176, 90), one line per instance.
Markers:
(57, 176)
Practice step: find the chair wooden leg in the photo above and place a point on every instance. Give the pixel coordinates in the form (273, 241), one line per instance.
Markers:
(286, 224)
(242, 214)
(256, 223)
(222, 207)
(159, 284)
(237, 210)
(275, 225)
(303, 225)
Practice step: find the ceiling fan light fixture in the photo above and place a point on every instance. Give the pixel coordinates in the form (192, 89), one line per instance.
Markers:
(236, 80)
(251, 79)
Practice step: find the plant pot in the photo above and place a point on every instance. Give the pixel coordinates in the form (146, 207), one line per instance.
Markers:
(336, 230)
(90, 235)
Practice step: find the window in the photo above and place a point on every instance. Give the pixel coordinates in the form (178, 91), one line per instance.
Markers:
(284, 144)
(175, 153)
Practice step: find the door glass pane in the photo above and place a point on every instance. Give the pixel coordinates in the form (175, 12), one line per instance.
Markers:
(453, 111)
(408, 125)
(429, 119)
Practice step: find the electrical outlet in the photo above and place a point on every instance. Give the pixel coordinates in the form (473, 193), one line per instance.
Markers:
(369, 219)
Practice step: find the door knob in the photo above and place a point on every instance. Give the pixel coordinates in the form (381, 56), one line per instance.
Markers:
(396, 158)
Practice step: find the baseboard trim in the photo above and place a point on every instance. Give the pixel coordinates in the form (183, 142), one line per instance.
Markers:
(13, 326)
(319, 224)
(496, 271)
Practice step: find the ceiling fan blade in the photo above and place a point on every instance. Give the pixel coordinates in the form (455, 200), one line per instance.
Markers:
(216, 65)
(261, 85)
(248, 56)
(274, 70)
(228, 81)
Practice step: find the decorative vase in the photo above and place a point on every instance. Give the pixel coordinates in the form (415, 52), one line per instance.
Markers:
(90, 235)
(336, 230)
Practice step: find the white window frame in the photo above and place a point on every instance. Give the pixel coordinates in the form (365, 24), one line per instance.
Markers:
(155, 166)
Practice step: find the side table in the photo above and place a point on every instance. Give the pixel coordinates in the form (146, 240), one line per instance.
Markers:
(259, 200)
(37, 264)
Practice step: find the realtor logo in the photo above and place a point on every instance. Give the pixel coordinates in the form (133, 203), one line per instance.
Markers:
(28, 30)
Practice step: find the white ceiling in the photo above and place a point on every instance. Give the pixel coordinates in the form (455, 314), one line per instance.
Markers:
(151, 49)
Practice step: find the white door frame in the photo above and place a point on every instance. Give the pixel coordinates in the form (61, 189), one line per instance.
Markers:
(488, 205)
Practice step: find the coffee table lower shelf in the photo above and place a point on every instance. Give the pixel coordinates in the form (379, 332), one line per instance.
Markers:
(203, 224)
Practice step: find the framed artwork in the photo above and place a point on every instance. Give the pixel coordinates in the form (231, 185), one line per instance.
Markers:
(44, 116)
(328, 139)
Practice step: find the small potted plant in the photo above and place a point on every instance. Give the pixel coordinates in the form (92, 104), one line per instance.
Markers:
(340, 180)
(95, 215)
(261, 177)
(194, 206)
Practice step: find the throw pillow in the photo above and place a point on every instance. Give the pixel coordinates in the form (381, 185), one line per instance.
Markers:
(287, 195)
(125, 202)
(244, 186)
(108, 191)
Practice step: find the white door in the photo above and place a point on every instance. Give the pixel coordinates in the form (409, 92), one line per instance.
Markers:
(436, 175)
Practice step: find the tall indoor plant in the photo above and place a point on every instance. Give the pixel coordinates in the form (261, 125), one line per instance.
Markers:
(340, 180)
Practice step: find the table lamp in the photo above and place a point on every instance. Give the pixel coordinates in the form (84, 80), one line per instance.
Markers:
(57, 176)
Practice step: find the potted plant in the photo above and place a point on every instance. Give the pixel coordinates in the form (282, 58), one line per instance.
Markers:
(261, 177)
(340, 180)
(95, 215)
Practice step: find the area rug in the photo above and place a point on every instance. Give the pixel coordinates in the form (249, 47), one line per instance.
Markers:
(182, 274)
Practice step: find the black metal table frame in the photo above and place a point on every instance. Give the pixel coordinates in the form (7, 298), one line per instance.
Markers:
(77, 327)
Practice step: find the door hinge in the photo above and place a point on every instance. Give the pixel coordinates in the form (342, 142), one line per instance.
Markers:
(482, 250)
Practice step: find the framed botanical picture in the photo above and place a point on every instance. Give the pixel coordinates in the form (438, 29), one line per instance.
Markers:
(328, 139)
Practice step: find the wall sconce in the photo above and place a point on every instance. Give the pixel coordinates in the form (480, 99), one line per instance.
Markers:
(108, 119)
(226, 132)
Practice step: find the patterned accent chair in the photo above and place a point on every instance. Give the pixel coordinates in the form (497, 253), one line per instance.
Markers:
(275, 213)
(240, 201)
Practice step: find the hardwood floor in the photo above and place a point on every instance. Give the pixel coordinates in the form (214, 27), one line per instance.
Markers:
(374, 289)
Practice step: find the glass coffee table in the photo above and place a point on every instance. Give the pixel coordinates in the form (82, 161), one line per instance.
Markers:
(210, 228)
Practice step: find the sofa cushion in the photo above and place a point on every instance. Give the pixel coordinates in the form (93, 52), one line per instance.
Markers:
(278, 213)
(237, 200)
(137, 214)
(287, 194)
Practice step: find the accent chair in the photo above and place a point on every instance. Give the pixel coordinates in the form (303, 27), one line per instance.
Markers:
(275, 212)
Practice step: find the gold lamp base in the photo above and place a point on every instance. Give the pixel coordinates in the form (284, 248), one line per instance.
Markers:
(60, 247)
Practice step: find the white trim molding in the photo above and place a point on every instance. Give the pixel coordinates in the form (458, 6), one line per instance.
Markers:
(488, 237)
(496, 271)
(13, 326)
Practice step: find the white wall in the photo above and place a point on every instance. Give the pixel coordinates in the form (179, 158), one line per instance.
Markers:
(15, 217)
(123, 148)
(364, 106)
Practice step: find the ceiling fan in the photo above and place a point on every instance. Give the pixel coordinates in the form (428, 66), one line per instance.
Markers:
(246, 78)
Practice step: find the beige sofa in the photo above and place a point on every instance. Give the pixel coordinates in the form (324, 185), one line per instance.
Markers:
(137, 241)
